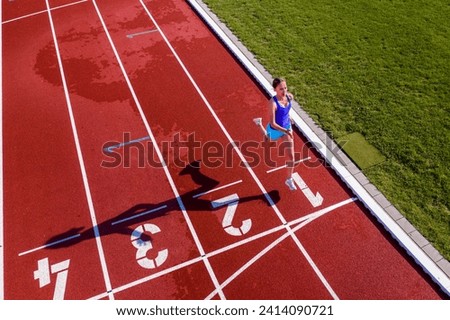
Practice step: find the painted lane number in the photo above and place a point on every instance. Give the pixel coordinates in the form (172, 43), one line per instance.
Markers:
(231, 202)
(143, 247)
(44, 271)
(315, 199)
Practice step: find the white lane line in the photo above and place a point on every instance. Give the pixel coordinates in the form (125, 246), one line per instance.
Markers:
(321, 212)
(132, 35)
(87, 189)
(282, 167)
(249, 263)
(139, 215)
(213, 113)
(158, 151)
(309, 217)
(151, 277)
(404, 239)
(216, 189)
(44, 11)
(49, 245)
(241, 156)
(123, 144)
(2, 294)
(304, 221)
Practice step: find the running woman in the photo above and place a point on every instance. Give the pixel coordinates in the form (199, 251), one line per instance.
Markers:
(279, 125)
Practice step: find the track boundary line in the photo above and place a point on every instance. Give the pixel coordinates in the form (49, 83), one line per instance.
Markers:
(43, 11)
(2, 243)
(397, 232)
(80, 158)
(158, 151)
(250, 170)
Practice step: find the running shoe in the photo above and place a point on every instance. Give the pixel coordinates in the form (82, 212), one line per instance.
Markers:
(290, 183)
(257, 121)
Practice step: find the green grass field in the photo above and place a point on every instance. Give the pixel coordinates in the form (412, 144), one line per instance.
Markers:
(375, 67)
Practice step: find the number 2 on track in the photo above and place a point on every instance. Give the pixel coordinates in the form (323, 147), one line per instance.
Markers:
(231, 202)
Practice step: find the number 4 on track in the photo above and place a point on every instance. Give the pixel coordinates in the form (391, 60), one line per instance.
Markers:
(315, 199)
(44, 271)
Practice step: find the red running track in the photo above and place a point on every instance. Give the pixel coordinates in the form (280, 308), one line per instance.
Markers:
(149, 81)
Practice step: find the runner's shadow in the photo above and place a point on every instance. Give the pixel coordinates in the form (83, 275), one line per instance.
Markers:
(144, 212)
(194, 203)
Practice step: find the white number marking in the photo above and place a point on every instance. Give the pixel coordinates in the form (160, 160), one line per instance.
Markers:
(43, 275)
(144, 246)
(231, 202)
(316, 200)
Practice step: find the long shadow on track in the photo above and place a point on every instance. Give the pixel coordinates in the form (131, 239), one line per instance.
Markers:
(143, 212)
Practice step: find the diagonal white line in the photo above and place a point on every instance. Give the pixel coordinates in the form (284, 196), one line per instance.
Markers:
(321, 212)
(158, 151)
(241, 156)
(152, 277)
(216, 189)
(249, 263)
(139, 215)
(305, 220)
(141, 33)
(123, 144)
(50, 245)
(80, 158)
(282, 167)
(420, 256)
(43, 11)
(213, 113)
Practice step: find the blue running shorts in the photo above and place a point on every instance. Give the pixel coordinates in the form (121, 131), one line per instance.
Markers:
(275, 134)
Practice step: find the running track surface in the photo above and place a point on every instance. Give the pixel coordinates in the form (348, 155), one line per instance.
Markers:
(144, 78)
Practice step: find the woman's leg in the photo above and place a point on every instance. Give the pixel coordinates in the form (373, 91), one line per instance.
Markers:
(258, 122)
(288, 146)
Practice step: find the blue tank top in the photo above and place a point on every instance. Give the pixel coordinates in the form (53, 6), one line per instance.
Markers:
(282, 113)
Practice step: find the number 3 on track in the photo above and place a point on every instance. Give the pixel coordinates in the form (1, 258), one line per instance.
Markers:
(144, 246)
(231, 202)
